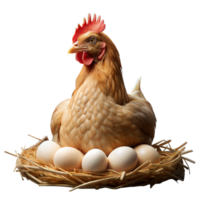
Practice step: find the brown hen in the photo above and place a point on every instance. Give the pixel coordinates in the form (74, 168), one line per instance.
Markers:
(100, 113)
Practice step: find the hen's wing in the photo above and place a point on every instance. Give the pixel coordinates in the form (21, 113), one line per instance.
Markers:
(56, 120)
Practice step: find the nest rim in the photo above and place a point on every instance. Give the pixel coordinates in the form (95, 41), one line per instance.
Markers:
(171, 166)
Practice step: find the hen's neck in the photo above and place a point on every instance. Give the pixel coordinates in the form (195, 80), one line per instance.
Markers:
(110, 80)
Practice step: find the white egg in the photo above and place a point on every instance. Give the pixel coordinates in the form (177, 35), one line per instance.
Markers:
(95, 160)
(68, 158)
(46, 151)
(146, 152)
(122, 159)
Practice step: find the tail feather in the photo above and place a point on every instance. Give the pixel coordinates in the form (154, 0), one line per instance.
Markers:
(137, 90)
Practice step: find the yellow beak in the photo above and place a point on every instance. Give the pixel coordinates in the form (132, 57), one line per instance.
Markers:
(75, 48)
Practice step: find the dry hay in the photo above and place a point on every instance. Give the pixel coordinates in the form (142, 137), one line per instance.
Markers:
(171, 166)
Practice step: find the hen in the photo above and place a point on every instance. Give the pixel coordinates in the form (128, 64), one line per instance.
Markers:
(100, 113)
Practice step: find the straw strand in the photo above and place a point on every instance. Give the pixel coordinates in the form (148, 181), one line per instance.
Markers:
(91, 182)
(10, 153)
(33, 136)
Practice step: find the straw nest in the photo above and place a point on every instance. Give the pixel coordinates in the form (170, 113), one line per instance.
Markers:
(171, 166)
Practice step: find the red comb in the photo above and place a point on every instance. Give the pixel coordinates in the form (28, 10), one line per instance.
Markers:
(94, 25)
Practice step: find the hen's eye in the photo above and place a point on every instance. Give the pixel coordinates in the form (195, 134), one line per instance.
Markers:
(91, 40)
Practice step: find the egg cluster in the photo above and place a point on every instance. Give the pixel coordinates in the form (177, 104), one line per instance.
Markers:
(120, 159)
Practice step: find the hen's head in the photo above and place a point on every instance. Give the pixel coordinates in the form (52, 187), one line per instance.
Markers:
(89, 48)
(87, 44)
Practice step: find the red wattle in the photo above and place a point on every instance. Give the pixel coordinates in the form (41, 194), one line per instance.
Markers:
(79, 57)
(87, 59)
